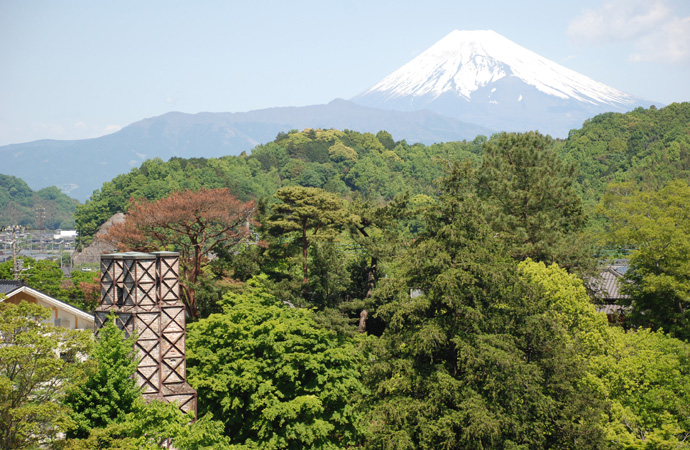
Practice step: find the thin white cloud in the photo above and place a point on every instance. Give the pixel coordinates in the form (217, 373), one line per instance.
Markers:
(649, 25)
(618, 20)
(671, 43)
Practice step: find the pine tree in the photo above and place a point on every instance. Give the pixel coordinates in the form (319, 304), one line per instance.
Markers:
(533, 202)
(303, 214)
(476, 361)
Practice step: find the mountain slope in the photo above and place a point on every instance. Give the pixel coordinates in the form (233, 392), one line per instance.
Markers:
(482, 77)
(80, 167)
(46, 209)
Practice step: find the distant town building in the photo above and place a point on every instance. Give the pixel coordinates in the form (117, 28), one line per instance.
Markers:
(65, 234)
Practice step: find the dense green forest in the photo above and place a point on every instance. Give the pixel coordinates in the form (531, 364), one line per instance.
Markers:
(649, 147)
(48, 208)
(347, 163)
(345, 290)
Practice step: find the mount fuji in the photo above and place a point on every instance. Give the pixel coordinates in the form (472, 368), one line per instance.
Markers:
(484, 78)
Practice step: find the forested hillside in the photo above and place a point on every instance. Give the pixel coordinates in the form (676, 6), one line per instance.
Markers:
(345, 290)
(649, 147)
(347, 163)
(46, 209)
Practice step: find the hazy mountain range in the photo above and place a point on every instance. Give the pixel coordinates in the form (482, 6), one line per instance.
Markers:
(468, 83)
(79, 167)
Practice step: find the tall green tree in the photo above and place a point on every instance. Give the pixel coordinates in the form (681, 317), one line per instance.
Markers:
(276, 379)
(473, 360)
(110, 391)
(38, 362)
(657, 226)
(533, 203)
(108, 411)
(305, 214)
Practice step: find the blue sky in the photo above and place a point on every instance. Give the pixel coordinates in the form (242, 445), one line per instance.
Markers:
(80, 69)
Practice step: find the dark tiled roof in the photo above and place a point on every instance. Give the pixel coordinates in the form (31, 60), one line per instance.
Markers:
(7, 286)
(607, 285)
(613, 310)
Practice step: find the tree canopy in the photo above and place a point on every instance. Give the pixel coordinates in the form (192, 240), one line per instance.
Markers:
(275, 378)
(473, 360)
(657, 226)
(383, 307)
(193, 223)
(531, 196)
(347, 163)
(303, 214)
(38, 363)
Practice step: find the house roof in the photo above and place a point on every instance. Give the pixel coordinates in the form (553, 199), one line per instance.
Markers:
(607, 285)
(7, 286)
(43, 297)
(609, 310)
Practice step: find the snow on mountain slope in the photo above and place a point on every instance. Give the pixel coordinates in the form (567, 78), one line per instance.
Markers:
(483, 77)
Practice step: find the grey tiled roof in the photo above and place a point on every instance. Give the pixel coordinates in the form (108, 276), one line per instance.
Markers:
(7, 286)
(612, 310)
(607, 285)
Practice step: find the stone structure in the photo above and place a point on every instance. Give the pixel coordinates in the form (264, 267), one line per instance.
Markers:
(142, 290)
(92, 253)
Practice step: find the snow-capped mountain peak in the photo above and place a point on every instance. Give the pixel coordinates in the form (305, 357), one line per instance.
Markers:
(465, 61)
(483, 77)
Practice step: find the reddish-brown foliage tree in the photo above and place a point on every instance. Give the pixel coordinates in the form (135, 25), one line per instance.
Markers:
(92, 293)
(190, 222)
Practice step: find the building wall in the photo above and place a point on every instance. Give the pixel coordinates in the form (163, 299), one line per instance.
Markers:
(58, 316)
(19, 296)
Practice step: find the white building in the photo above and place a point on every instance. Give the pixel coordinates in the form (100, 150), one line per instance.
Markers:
(63, 314)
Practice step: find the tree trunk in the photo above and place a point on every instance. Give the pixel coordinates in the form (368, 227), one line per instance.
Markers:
(371, 276)
(305, 245)
(189, 300)
(363, 321)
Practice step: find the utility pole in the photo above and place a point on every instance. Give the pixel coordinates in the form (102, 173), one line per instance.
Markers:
(17, 266)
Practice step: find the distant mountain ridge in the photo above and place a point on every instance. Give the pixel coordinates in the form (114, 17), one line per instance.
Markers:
(469, 83)
(79, 167)
(482, 77)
